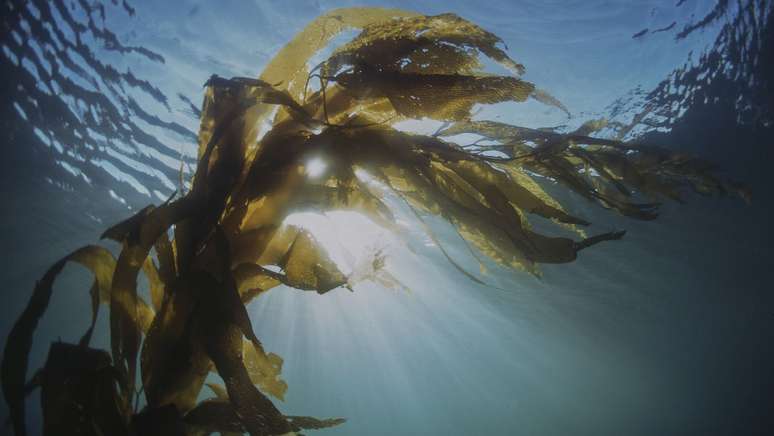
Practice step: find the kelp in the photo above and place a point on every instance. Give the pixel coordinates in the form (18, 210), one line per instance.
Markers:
(78, 393)
(210, 251)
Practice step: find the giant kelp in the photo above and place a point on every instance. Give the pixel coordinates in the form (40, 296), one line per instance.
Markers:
(209, 251)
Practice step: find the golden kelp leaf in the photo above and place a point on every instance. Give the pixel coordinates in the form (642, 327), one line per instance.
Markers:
(288, 70)
(264, 370)
(248, 246)
(124, 334)
(342, 191)
(527, 195)
(17, 348)
(247, 101)
(476, 225)
(455, 187)
(656, 172)
(341, 108)
(128, 228)
(277, 247)
(154, 281)
(223, 342)
(407, 54)
(252, 91)
(218, 390)
(252, 281)
(436, 96)
(270, 179)
(473, 219)
(481, 200)
(145, 315)
(94, 294)
(591, 126)
(172, 363)
(432, 58)
(618, 168)
(102, 264)
(124, 303)
(440, 246)
(268, 208)
(288, 67)
(517, 142)
(229, 293)
(591, 160)
(220, 416)
(565, 168)
(521, 191)
(613, 164)
(476, 198)
(501, 213)
(489, 129)
(390, 41)
(166, 257)
(308, 267)
(218, 319)
(549, 100)
(527, 142)
(299, 423)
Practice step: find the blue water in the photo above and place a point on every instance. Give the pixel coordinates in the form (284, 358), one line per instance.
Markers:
(668, 332)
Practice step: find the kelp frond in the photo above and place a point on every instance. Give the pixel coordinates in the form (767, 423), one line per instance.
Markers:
(208, 252)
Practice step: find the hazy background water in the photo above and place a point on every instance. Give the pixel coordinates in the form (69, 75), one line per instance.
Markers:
(666, 332)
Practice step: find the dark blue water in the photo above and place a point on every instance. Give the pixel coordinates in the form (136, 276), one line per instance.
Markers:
(668, 332)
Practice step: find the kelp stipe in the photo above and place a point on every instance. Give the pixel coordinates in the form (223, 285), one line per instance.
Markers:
(230, 242)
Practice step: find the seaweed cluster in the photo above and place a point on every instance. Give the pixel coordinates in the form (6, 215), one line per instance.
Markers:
(208, 252)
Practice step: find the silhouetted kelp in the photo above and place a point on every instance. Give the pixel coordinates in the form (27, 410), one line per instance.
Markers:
(208, 252)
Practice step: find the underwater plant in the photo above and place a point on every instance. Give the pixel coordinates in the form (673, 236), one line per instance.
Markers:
(209, 250)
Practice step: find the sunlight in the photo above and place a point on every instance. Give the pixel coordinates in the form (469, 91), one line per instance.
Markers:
(350, 238)
(315, 167)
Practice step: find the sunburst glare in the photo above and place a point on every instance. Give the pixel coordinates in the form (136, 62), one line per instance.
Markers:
(315, 167)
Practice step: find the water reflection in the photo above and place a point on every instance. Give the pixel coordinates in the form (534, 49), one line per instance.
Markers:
(70, 80)
(734, 71)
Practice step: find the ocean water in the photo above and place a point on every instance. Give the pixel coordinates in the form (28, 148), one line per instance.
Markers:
(667, 332)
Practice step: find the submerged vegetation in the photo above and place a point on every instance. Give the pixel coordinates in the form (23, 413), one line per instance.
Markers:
(208, 251)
